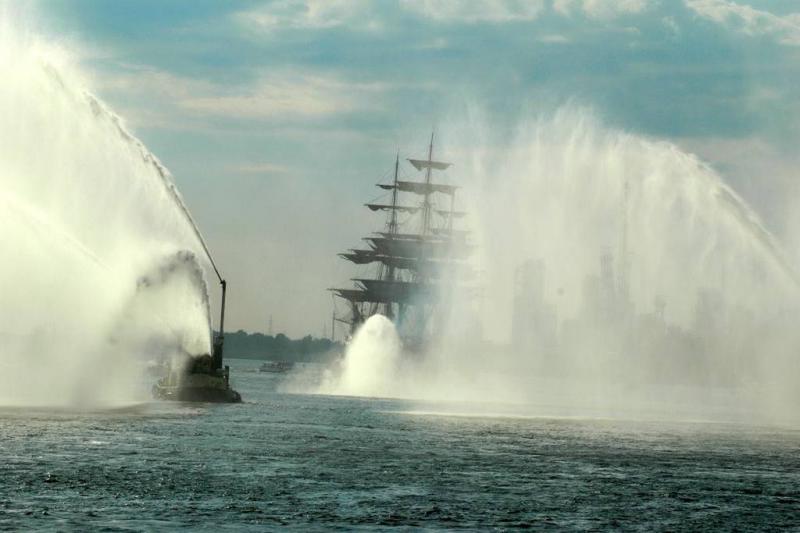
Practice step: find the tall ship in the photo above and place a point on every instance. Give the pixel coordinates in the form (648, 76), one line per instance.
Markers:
(416, 262)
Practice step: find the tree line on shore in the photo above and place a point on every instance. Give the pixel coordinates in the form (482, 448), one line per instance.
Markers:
(241, 344)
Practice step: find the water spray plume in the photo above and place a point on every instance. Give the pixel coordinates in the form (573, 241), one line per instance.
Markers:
(618, 274)
(100, 266)
(371, 361)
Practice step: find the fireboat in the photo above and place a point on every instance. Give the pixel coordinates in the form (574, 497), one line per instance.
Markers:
(201, 378)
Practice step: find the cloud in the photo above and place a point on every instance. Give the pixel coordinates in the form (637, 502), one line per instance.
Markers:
(142, 80)
(365, 15)
(307, 14)
(285, 94)
(748, 20)
(274, 95)
(601, 9)
(475, 11)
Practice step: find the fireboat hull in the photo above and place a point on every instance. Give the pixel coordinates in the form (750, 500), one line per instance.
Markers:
(196, 394)
(198, 382)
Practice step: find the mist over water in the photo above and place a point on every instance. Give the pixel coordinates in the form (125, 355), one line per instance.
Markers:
(373, 359)
(618, 275)
(100, 268)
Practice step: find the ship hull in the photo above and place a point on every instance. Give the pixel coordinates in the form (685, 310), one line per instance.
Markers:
(196, 387)
(196, 394)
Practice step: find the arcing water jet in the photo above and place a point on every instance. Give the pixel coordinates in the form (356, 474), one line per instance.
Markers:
(617, 273)
(90, 212)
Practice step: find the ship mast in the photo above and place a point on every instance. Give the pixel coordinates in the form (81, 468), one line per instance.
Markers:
(390, 271)
(426, 204)
(393, 217)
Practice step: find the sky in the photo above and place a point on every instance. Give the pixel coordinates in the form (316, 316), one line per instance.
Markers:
(276, 118)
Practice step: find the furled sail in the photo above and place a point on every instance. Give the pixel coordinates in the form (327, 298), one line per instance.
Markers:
(426, 267)
(419, 164)
(425, 249)
(420, 187)
(401, 208)
(397, 291)
(360, 257)
(361, 296)
(420, 237)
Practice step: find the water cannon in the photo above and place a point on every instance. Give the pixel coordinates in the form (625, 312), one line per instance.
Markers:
(219, 340)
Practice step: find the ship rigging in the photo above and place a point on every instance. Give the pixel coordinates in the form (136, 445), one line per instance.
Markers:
(419, 257)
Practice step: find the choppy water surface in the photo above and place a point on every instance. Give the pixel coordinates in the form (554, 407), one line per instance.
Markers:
(314, 462)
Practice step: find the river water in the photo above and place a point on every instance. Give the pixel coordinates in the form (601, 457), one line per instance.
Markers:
(312, 462)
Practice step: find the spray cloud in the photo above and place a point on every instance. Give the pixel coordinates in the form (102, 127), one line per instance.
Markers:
(615, 272)
(87, 213)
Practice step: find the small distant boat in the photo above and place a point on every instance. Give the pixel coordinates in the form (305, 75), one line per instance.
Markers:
(277, 367)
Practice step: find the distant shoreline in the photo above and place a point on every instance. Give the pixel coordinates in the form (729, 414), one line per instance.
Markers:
(243, 345)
